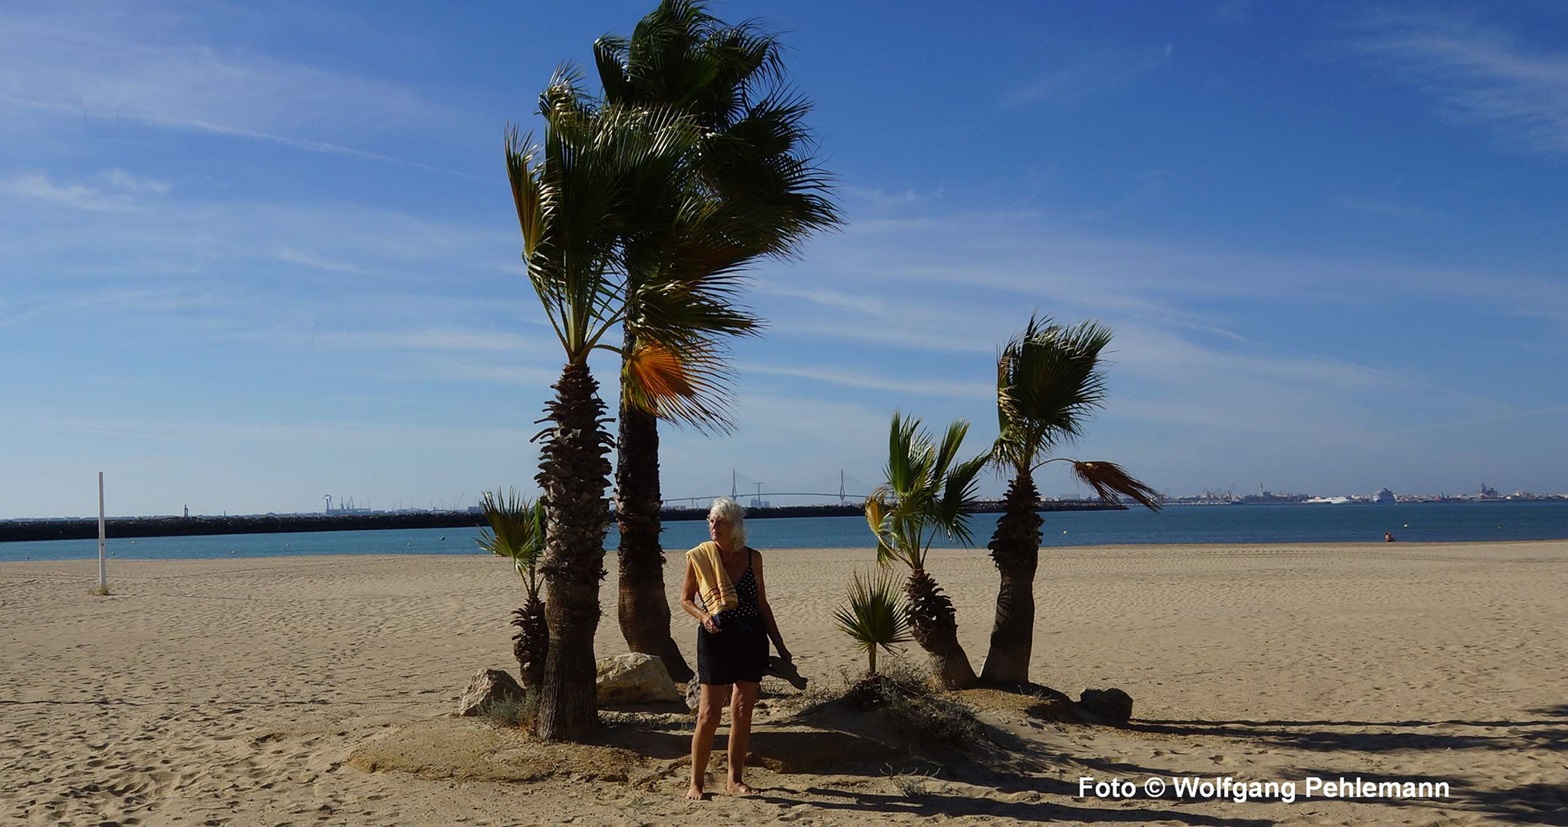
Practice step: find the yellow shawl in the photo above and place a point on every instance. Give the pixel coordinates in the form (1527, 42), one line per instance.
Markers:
(713, 582)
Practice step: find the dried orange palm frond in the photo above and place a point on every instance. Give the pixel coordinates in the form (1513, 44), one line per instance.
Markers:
(1108, 479)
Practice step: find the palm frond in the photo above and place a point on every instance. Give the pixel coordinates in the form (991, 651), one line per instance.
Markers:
(515, 531)
(929, 491)
(1048, 381)
(687, 384)
(874, 616)
(1108, 479)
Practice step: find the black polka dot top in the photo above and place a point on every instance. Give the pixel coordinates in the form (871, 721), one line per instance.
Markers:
(746, 596)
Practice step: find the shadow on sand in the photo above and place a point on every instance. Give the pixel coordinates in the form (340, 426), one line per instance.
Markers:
(1530, 803)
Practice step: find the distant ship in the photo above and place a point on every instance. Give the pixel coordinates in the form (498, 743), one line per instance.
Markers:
(1328, 500)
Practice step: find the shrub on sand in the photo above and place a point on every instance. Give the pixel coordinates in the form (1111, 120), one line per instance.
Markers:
(905, 692)
(512, 711)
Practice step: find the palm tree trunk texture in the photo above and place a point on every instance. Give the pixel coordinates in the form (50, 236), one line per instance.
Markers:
(1015, 547)
(644, 609)
(573, 471)
(934, 626)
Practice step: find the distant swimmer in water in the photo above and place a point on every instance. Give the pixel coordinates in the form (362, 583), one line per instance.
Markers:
(1388, 537)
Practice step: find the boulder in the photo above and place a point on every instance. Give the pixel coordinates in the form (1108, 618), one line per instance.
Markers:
(635, 678)
(488, 687)
(1112, 706)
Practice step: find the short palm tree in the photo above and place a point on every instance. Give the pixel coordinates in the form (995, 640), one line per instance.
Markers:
(875, 616)
(926, 496)
(572, 194)
(1048, 380)
(516, 531)
(749, 189)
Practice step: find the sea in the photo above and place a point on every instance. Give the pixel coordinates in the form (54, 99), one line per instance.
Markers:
(1444, 522)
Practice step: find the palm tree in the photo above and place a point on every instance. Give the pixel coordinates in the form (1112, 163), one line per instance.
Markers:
(749, 189)
(1048, 379)
(572, 196)
(925, 496)
(516, 531)
(875, 616)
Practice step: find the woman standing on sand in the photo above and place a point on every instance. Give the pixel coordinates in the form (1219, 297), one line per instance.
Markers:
(724, 591)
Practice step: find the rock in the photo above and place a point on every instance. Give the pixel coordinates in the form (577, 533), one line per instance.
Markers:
(635, 678)
(487, 687)
(1112, 706)
(693, 695)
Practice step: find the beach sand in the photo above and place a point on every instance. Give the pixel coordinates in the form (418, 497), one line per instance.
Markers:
(257, 691)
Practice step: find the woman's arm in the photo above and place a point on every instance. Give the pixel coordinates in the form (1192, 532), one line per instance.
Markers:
(689, 600)
(767, 610)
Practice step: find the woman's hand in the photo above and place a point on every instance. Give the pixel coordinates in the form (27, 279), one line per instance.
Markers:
(784, 654)
(709, 623)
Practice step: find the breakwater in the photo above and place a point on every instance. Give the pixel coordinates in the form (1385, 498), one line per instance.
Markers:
(83, 528)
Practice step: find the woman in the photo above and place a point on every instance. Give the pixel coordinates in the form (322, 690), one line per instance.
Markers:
(724, 591)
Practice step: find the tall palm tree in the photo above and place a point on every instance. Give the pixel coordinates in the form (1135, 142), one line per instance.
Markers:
(1048, 380)
(573, 194)
(515, 531)
(749, 189)
(925, 496)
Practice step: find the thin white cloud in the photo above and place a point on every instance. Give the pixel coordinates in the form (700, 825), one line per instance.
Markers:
(39, 187)
(105, 67)
(136, 184)
(304, 434)
(1488, 420)
(880, 382)
(434, 339)
(109, 301)
(1377, 205)
(1478, 75)
(911, 337)
(1092, 73)
(870, 305)
(318, 262)
(883, 199)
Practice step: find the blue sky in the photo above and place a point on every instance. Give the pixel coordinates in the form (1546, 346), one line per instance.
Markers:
(254, 254)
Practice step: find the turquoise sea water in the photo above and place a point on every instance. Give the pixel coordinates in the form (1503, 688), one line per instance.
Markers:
(1426, 522)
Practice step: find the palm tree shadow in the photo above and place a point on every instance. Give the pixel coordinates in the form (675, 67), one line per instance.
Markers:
(927, 805)
(1376, 736)
(1531, 803)
(1557, 711)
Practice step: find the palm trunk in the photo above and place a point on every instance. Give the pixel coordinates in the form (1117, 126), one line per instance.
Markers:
(934, 626)
(1015, 547)
(573, 473)
(643, 607)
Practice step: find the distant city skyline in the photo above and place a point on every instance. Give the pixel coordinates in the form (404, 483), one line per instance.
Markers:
(254, 255)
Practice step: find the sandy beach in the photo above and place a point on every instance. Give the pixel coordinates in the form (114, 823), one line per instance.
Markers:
(237, 691)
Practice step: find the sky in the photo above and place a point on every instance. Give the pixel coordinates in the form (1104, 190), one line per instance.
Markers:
(252, 255)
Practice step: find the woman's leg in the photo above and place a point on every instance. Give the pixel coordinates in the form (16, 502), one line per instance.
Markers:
(742, 701)
(710, 708)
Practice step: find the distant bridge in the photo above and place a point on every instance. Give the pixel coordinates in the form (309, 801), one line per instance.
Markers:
(842, 496)
(741, 485)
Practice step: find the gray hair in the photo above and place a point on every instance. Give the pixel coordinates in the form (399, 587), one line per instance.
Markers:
(725, 508)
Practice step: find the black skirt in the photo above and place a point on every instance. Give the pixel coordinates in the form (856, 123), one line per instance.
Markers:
(738, 652)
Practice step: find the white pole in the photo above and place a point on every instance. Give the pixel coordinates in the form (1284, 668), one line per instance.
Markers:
(103, 571)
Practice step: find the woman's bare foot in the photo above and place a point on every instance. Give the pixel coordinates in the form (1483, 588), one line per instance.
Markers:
(695, 793)
(741, 788)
